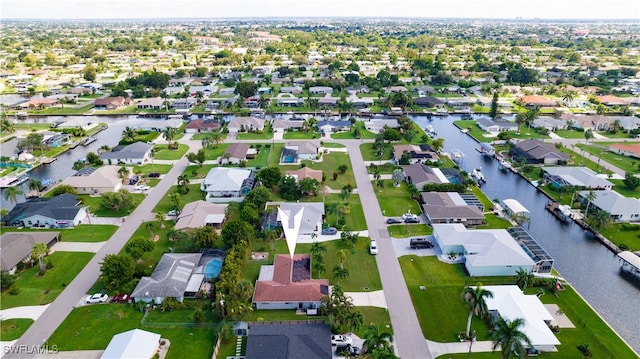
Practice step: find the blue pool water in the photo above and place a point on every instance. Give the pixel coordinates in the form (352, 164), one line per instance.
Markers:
(453, 180)
(212, 270)
(289, 159)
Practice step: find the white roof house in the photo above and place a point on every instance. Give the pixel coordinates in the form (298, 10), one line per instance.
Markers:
(173, 277)
(621, 208)
(227, 183)
(575, 176)
(133, 344)
(487, 252)
(312, 216)
(200, 213)
(515, 207)
(92, 180)
(511, 303)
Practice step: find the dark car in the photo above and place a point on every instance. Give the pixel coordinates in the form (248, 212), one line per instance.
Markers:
(133, 180)
(329, 231)
(154, 174)
(121, 298)
(353, 351)
(417, 243)
(412, 219)
(393, 220)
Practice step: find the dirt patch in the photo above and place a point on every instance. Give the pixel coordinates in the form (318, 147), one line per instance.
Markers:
(155, 238)
(259, 256)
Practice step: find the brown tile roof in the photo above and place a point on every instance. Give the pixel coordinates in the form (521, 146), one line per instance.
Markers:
(305, 172)
(203, 124)
(536, 100)
(116, 101)
(612, 100)
(237, 150)
(634, 148)
(290, 285)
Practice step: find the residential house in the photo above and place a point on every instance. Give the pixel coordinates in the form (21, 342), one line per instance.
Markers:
(285, 125)
(627, 123)
(592, 122)
(237, 152)
(486, 252)
(135, 343)
(533, 101)
(55, 139)
(288, 100)
(111, 103)
(155, 103)
(137, 153)
(287, 284)
(95, 180)
(450, 207)
(510, 303)
(428, 102)
(392, 89)
(299, 339)
(296, 90)
(333, 126)
(621, 208)
(610, 100)
(536, 151)
(417, 153)
(549, 123)
(310, 216)
(227, 184)
(489, 125)
(200, 125)
(320, 90)
(182, 82)
(60, 211)
(376, 125)
(420, 174)
(630, 150)
(245, 124)
(581, 177)
(328, 101)
(459, 102)
(175, 276)
(301, 150)
(360, 102)
(36, 103)
(184, 104)
(76, 123)
(10, 149)
(305, 172)
(200, 214)
(17, 247)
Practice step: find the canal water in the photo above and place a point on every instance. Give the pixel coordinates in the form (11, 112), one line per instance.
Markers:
(585, 263)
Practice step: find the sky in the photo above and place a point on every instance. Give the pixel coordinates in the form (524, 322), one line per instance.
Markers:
(151, 9)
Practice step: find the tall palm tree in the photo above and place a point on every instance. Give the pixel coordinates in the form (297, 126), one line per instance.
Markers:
(216, 137)
(355, 319)
(377, 343)
(588, 134)
(128, 134)
(34, 185)
(207, 142)
(591, 195)
(600, 219)
(474, 300)
(169, 134)
(11, 194)
(342, 257)
(521, 118)
(123, 172)
(318, 249)
(524, 278)
(507, 335)
(176, 201)
(160, 219)
(567, 97)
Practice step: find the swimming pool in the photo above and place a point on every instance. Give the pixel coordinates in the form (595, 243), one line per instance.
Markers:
(288, 159)
(212, 269)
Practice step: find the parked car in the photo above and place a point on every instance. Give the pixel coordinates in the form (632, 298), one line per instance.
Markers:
(121, 298)
(172, 213)
(329, 231)
(142, 187)
(97, 298)
(416, 243)
(154, 174)
(394, 220)
(373, 247)
(133, 180)
(341, 340)
(413, 219)
(351, 350)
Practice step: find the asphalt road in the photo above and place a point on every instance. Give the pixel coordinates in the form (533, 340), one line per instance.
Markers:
(43, 328)
(410, 342)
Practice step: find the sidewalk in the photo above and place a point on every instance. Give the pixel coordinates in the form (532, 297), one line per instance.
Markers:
(368, 299)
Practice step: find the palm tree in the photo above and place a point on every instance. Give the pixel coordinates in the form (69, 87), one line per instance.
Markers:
(524, 278)
(340, 273)
(183, 180)
(169, 134)
(176, 200)
(508, 336)
(568, 97)
(318, 249)
(588, 134)
(600, 219)
(377, 343)
(354, 319)
(128, 134)
(346, 191)
(474, 300)
(34, 185)
(151, 227)
(123, 172)
(591, 195)
(160, 219)
(342, 257)
(39, 251)
(263, 102)
(521, 118)
(11, 194)
(216, 137)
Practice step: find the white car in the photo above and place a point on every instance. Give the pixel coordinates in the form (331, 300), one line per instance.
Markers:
(141, 187)
(341, 340)
(373, 247)
(97, 298)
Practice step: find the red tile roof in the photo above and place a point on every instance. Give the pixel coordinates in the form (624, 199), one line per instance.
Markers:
(536, 100)
(283, 289)
(634, 148)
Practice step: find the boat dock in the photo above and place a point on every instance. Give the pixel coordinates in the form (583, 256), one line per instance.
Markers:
(559, 211)
(48, 160)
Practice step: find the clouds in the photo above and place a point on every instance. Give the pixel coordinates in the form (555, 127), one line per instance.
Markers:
(114, 9)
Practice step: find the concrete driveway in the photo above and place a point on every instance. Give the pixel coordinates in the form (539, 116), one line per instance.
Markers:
(91, 247)
(29, 312)
(368, 299)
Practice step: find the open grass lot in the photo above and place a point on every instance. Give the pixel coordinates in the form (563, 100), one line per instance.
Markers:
(261, 159)
(329, 164)
(300, 135)
(148, 168)
(627, 164)
(266, 135)
(377, 316)
(96, 208)
(495, 222)
(442, 314)
(386, 168)
(12, 329)
(570, 134)
(371, 154)
(214, 152)
(92, 327)
(482, 136)
(166, 154)
(38, 290)
(355, 220)
(165, 204)
(195, 171)
(621, 188)
(409, 230)
(81, 233)
(203, 135)
(577, 159)
(350, 135)
(394, 201)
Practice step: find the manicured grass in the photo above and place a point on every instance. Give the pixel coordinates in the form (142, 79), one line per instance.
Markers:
(195, 171)
(332, 145)
(261, 159)
(621, 188)
(275, 150)
(300, 135)
(578, 160)
(276, 315)
(32, 126)
(255, 136)
(623, 234)
(627, 164)
(376, 316)
(570, 134)
(12, 329)
(92, 327)
(355, 220)
(350, 135)
(395, 201)
(370, 154)
(194, 194)
(409, 230)
(38, 290)
(96, 208)
(386, 168)
(166, 154)
(495, 222)
(81, 233)
(148, 168)
(203, 135)
(214, 152)
(329, 164)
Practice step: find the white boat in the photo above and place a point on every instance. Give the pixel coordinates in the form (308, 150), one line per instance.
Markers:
(504, 164)
(431, 131)
(441, 112)
(457, 156)
(477, 174)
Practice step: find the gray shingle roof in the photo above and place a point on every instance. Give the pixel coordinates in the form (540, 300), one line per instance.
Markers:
(134, 150)
(61, 207)
(18, 245)
(169, 278)
(282, 341)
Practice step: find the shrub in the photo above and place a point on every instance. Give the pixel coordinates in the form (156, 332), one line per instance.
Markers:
(14, 290)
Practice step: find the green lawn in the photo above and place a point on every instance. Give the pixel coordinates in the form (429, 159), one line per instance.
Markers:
(350, 135)
(409, 230)
(578, 160)
(214, 152)
(300, 135)
(12, 329)
(331, 145)
(627, 164)
(621, 188)
(195, 171)
(96, 208)
(85, 329)
(261, 159)
(255, 136)
(152, 167)
(377, 316)
(625, 235)
(275, 150)
(355, 220)
(38, 290)
(570, 134)
(194, 194)
(81, 233)
(370, 154)
(329, 164)
(386, 168)
(165, 153)
(394, 201)
(203, 135)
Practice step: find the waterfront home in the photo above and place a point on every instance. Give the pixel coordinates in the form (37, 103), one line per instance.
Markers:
(227, 184)
(493, 126)
(287, 284)
(285, 125)
(428, 102)
(288, 100)
(630, 150)
(200, 125)
(416, 154)
(237, 152)
(137, 153)
(581, 177)
(58, 212)
(10, 149)
(55, 139)
(420, 174)
(300, 150)
(328, 101)
(621, 208)
(155, 103)
(486, 252)
(299, 339)
(333, 126)
(610, 100)
(184, 104)
(135, 343)
(36, 104)
(17, 247)
(201, 213)
(549, 123)
(451, 207)
(533, 101)
(173, 277)
(536, 151)
(111, 103)
(377, 125)
(245, 124)
(95, 180)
